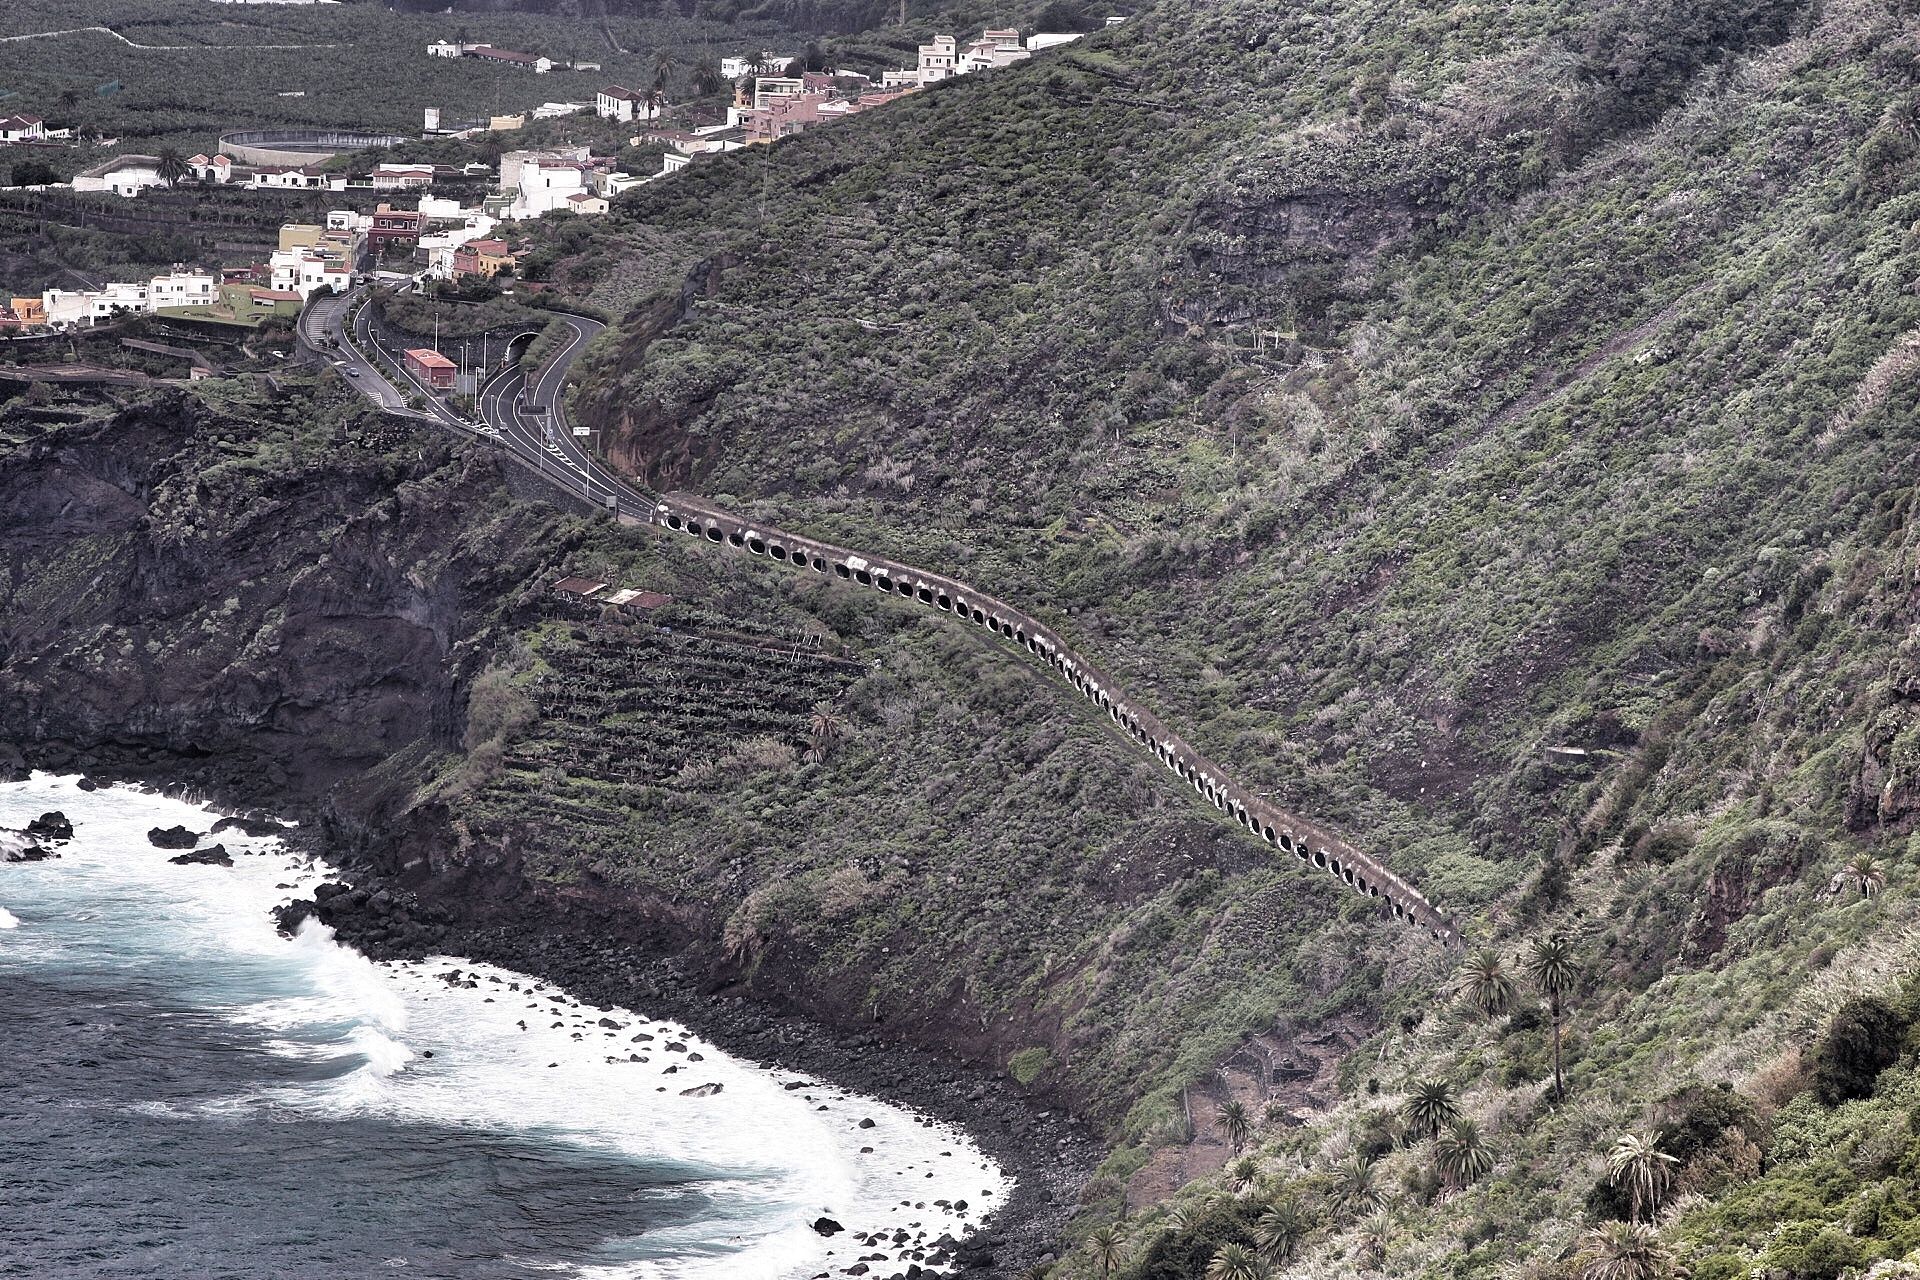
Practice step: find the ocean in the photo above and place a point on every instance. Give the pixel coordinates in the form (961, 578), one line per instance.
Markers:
(185, 1093)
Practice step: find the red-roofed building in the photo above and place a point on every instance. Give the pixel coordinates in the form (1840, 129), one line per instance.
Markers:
(486, 258)
(390, 226)
(431, 368)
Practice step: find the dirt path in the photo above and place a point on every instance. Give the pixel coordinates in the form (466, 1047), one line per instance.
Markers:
(156, 48)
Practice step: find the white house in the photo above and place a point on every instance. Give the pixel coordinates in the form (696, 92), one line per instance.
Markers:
(182, 288)
(991, 49)
(289, 177)
(1050, 40)
(22, 129)
(555, 110)
(938, 60)
(402, 177)
(734, 68)
(306, 273)
(217, 168)
(537, 182)
(127, 175)
(611, 183)
(445, 49)
(618, 103)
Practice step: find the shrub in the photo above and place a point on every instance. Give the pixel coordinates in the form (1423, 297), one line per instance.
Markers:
(1029, 1064)
(1812, 1251)
(1862, 1041)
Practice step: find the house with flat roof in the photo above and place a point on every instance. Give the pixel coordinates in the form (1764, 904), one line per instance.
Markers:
(126, 175)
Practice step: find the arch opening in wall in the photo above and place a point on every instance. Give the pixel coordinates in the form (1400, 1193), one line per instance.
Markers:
(1399, 911)
(819, 564)
(757, 546)
(734, 539)
(1019, 635)
(693, 529)
(980, 616)
(673, 521)
(862, 577)
(1320, 859)
(944, 601)
(924, 595)
(714, 534)
(777, 551)
(842, 570)
(883, 582)
(1268, 833)
(902, 587)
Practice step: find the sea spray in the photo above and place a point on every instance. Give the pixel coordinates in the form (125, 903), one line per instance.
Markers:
(323, 1106)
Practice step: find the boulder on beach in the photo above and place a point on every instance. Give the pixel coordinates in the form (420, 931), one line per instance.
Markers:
(172, 838)
(51, 826)
(211, 856)
(827, 1226)
(249, 824)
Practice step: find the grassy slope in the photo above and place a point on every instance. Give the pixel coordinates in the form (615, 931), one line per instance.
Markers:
(1583, 420)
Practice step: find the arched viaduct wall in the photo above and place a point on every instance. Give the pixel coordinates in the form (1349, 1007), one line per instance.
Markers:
(1312, 844)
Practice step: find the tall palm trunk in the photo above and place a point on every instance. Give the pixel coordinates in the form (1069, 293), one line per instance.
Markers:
(1559, 1085)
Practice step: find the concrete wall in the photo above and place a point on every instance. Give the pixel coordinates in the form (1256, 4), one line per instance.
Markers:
(299, 146)
(1313, 845)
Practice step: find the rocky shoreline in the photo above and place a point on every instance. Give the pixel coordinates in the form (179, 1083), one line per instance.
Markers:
(1047, 1153)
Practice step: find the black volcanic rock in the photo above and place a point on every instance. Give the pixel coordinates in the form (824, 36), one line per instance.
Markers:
(249, 824)
(172, 838)
(827, 1226)
(212, 856)
(51, 826)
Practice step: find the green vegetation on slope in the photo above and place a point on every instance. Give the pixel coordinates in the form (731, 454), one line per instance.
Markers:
(1489, 429)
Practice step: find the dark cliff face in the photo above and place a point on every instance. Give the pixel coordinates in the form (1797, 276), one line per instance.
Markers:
(175, 590)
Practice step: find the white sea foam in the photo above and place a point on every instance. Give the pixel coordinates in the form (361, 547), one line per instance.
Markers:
(417, 1043)
(8, 920)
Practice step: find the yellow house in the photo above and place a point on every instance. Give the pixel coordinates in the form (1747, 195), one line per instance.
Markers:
(30, 311)
(300, 235)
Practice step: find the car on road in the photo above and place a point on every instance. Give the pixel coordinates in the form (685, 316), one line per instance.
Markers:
(353, 371)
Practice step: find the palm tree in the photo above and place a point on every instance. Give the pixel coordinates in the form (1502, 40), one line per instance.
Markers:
(1430, 1108)
(1462, 1154)
(1864, 872)
(663, 69)
(706, 76)
(1628, 1251)
(1108, 1247)
(1638, 1162)
(1375, 1233)
(1484, 984)
(1279, 1231)
(826, 723)
(1245, 1178)
(1354, 1190)
(1554, 969)
(1235, 1262)
(1236, 1124)
(171, 167)
(69, 99)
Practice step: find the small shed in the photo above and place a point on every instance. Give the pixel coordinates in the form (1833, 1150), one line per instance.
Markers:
(582, 587)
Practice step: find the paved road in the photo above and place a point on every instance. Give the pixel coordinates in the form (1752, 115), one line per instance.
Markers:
(528, 420)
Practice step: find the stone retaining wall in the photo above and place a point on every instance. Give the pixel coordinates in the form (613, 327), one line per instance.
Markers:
(1312, 844)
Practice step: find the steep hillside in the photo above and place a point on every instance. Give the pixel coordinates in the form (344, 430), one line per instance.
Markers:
(1490, 429)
